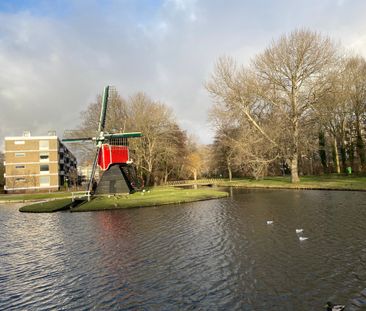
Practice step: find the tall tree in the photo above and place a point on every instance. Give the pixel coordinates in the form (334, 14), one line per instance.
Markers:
(155, 120)
(281, 88)
(355, 74)
(292, 74)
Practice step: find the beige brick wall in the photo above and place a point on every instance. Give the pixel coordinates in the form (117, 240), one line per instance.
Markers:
(29, 181)
(24, 171)
(29, 144)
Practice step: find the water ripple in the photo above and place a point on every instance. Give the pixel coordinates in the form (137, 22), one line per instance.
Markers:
(214, 255)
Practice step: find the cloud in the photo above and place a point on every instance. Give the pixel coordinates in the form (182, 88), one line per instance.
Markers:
(55, 58)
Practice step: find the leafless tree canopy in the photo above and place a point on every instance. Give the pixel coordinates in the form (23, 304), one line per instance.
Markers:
(295, 89)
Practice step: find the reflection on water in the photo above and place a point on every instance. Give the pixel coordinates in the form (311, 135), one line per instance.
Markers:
(218, 254)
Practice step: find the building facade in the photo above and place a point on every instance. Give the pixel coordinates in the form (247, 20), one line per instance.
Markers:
(37, 163)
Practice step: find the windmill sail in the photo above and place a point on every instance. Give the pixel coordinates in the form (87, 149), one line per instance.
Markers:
(112, 150)
(103, 111)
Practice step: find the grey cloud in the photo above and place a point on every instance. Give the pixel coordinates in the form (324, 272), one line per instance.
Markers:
(53, 66)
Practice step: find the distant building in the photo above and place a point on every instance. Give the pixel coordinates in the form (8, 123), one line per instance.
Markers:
(84, 172)
(37, 163)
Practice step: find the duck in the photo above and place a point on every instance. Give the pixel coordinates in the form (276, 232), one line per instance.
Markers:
(269, 222)
(299, 230)
(303, 238)
(331, 307)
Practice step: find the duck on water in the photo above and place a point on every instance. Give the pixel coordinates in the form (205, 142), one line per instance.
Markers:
(331, 307)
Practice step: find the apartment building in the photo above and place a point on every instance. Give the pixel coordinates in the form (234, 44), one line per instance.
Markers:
(37, 163)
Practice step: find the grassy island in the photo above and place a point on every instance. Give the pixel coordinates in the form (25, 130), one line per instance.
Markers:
(47, 207)
(154, 197)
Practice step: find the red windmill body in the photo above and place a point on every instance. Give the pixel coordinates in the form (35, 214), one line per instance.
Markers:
(112, 154)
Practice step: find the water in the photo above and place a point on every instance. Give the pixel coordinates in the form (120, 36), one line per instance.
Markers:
(212, 255)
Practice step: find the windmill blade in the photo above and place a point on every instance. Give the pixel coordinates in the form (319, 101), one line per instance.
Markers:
(103, 111)
(92, 174)
(123, 135)
(77, 140)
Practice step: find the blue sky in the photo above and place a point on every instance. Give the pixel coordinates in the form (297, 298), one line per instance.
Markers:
(56, 56)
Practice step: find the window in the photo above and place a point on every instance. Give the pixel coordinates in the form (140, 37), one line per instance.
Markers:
(43, 144)
(43, 156)
(44, 169)
(20, 154)
(19, 142)
(19, 166)
(44, 181)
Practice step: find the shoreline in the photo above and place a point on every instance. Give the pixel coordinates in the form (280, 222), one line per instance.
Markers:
(155, 197)
(181, 192)
(218, 185)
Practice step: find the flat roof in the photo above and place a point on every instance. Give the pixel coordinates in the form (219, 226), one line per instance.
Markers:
(30, 137)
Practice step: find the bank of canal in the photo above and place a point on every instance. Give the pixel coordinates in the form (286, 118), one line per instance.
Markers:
(154, 197)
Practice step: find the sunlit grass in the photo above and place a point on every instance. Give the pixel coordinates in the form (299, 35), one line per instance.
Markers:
(155, 196)
(331, 182)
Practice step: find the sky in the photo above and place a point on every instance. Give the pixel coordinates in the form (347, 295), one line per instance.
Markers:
(57, 55)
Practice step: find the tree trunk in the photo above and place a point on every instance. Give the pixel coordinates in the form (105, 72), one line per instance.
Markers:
(295, 135)
(195, 174)
(295, 157)
(229, 171)
(294, 169)
(148, 178)
(360, 145)
(322, 152)
(336, 156)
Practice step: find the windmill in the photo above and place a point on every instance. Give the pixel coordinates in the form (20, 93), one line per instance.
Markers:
(112, 156)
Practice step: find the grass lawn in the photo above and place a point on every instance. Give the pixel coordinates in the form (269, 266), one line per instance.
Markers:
(156, 196)
(332, 182)
(46, 207)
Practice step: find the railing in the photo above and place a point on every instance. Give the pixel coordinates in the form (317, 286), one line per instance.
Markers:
(192, 182)
(80, 195)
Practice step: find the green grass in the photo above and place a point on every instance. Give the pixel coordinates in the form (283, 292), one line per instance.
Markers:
(46, 207)
(331, 182)
(156, 196)
(34, 196)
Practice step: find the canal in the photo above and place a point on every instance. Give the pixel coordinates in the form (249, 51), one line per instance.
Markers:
(238, 253)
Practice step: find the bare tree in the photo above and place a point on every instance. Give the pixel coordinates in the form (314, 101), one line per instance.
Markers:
(254, 128)
(156, 122)
(355, 75)
(283, 84)
(292, 74)
(333, 112)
